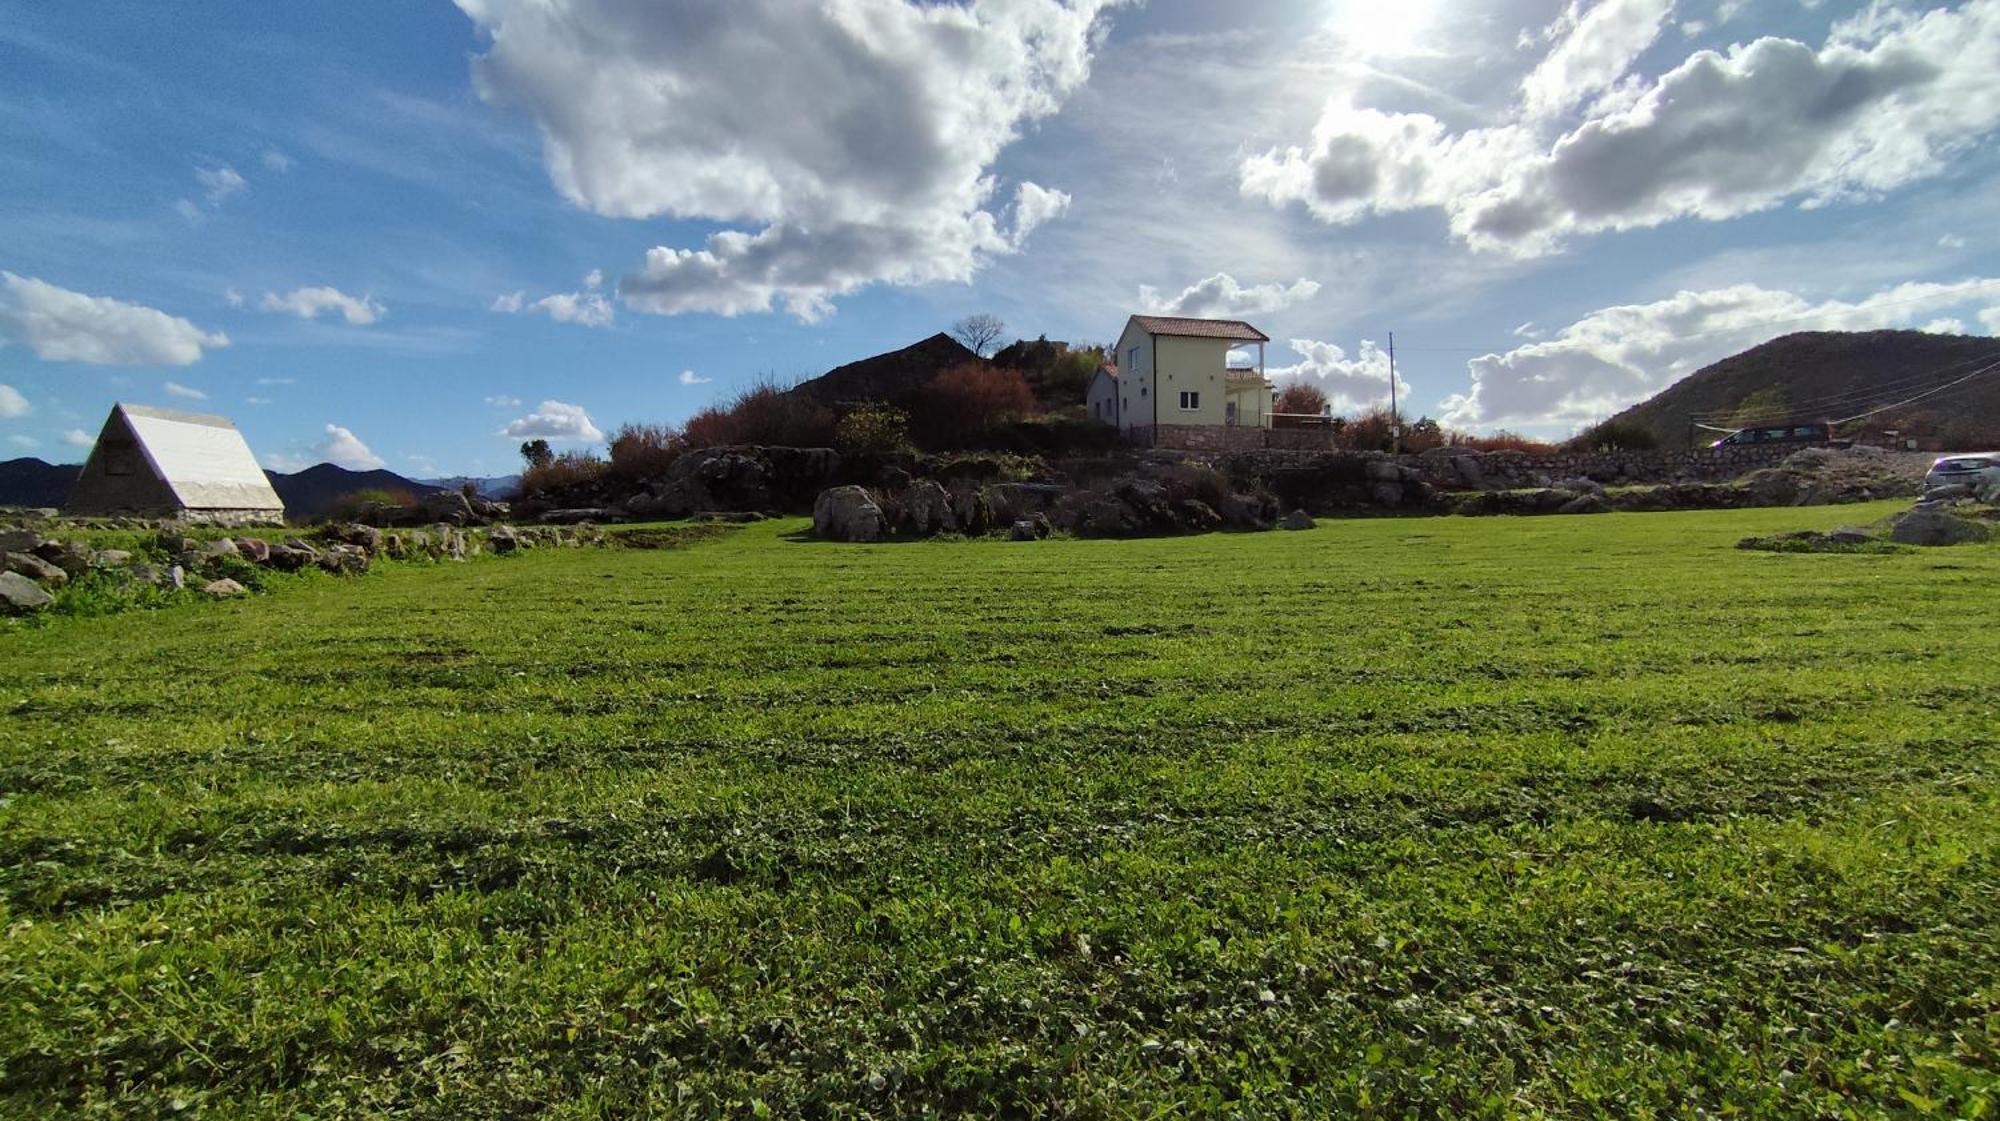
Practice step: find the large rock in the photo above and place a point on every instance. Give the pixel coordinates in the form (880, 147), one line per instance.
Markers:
(927, 510)
(20, 595)
(504, 540)
(224, 589)
(1592, 503)
(969, 506)
(1297, 519)
(256, 550)
(848, 513)
(1107, 517)
(448, 506)
(1385, 494)
(1924, 526)
(34, 568)
(19, 539)
(1010, 501)
(1196, 515)
(73, 557)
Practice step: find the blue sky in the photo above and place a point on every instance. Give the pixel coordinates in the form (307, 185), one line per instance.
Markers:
(413, 233)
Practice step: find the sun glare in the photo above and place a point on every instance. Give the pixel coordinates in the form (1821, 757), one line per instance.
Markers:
(1384, 27)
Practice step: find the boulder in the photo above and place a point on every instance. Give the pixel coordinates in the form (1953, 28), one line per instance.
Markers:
(1023, 530)
(1948, 493)
(289, 558)
(1384, 493)
(1149, 505)
(1297, 519)
(20, 595)
(220, 547)
(505, 540)
(111, 558)
(256, 550)
(927, 510)
(1850, 535)
(1249, 511)
(1383, 471)
(1009, 501)
(969, 506)
(34, 568)
(1923, 526)
(224, 589)
(848, 513)
(1581, 484)
(1107, 517)
(174, 578)
(344, 560)
(1197, 515)
(1593, 503)
(448, 506)
(19, 539)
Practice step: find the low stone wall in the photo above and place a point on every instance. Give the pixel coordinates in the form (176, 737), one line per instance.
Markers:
(1456, 469)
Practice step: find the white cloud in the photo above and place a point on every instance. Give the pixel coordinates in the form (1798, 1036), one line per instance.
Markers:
(232, 297)
(256, 400)
(218, 184)
(308, 303)
(1221, 296)
(588, 308)
(1617, 356)
(1884, 102)
(855, 141)
(176, 389)
(284, 462)
(689, 377)
(277, 161)
(555, 420)
(276, 381)
(1528, 330)
(24, 441)
(1951, 241)
(1350, 384)
(1990, 319)
(64, 326)
(503, 401)
(188, 210)
(343, 448)
(78, 438)
(12, 404)
(1593, 50)
(1944, 326)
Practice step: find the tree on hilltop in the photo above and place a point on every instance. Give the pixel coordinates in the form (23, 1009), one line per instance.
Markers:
(979, 332)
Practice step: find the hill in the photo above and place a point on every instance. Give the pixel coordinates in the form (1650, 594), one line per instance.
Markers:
(315, 491)
(1833, 375)
(894, 377)
(310, 493)
(497, 487)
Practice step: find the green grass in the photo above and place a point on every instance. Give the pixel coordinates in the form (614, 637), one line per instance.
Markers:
(1395, 817)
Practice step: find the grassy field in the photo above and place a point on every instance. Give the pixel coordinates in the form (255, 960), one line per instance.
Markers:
(1396, 817)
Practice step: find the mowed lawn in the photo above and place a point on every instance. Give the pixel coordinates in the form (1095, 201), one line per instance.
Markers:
(1395, 817)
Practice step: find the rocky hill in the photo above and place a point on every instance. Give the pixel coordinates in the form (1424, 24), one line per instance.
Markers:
(893, 377)
(33, 482)
(1832, 375)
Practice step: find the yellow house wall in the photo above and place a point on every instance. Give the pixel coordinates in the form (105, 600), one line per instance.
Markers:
(1192, 365)
(1253, 403)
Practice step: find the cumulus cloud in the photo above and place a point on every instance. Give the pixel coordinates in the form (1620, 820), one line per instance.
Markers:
(12, 404)
(1990, 319)
(78, 438)
(855, 141)
(1885, 101)
(176, 389)
(277, 161)
(64, 326)
(503, 401)
(308, 303)
(343, 448)
(587, 308)
(1616, 356)
(1350, 384)
(218, 184)
(689, 377)
(555, 420)
(1222, 296)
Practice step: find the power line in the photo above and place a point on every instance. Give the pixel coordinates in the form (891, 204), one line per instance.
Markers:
(1862, 395)
(1932, 393)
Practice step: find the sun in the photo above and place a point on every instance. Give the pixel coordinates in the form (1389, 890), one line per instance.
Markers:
(1384, 27)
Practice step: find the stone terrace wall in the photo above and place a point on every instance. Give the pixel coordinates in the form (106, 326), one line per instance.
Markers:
(1455, 469)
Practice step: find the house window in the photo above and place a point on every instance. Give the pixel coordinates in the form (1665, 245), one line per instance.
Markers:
(1190, 399)
(1142, 391)
(1132, 359)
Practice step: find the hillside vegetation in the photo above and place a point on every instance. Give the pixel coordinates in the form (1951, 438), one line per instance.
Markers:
(1451, 818)
(1831, 375)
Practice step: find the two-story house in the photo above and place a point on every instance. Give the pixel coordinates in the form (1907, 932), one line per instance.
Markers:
(1173, 371)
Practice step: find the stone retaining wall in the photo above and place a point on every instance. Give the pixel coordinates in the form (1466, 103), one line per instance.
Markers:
(1457, 469)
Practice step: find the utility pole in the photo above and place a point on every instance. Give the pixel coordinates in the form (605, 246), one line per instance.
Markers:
(1395, 418)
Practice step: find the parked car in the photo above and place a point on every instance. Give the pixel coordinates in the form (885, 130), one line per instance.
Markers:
(1817, 433)
(1976, 471)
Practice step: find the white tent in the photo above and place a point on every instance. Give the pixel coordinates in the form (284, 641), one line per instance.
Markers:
(159, 463)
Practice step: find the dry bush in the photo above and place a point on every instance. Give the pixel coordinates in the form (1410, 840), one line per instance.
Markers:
(1613, 436)
(1301, 399)
(640, 451)
(762, 414)
(565, 470)
(1368, 432)
(1502, 441)
(962, 404)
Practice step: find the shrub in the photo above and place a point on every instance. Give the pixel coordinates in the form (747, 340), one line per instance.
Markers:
(1194, 480)
(349, 505)
(1502, 441)
(562, 471)
(762, 414)
(1613, 436)
(1368, 432)
(1301, 398)
(873, 428)
(641, 451)
(965, 402)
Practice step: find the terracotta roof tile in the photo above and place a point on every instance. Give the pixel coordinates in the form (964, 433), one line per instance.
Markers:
(1200, 328)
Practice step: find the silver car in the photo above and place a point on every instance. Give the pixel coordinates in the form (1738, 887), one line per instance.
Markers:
(1977, 472)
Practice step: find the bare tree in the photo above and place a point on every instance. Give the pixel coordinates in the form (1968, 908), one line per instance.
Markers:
(979, 332)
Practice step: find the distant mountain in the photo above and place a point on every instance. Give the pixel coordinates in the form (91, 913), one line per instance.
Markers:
(315, 491)
(1834, 375)
(893, 377)
(496, 487)
(33, 482)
